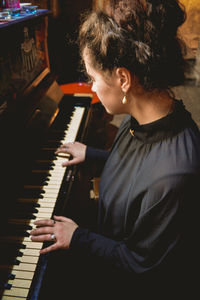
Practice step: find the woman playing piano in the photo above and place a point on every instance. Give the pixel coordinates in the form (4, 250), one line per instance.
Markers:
(145, 244)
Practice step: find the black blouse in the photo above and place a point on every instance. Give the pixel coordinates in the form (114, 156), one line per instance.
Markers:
(149, 195)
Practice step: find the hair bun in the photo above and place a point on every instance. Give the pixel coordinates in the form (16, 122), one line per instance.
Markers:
(167, 15)
(140, 35)
(160, 16)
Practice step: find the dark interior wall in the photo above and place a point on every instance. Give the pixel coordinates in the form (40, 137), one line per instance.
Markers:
(62, 34)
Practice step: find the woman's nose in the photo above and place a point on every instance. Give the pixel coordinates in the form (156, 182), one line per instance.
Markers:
(93, 87)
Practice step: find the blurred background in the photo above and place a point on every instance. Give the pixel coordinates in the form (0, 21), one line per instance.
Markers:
(64, 55)
(64, 24)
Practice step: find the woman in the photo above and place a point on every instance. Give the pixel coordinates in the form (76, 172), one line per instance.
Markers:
(146, 237)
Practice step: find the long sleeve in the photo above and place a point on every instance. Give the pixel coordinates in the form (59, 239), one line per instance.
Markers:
(156, 233)
(148, 209)
(95, 160)
(97, 155)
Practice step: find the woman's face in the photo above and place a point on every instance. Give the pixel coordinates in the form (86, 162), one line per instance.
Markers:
(108, 90)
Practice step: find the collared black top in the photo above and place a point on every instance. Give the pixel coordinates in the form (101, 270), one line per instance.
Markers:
(148, 207)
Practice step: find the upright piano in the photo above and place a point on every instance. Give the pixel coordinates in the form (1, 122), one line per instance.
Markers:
(36, 116)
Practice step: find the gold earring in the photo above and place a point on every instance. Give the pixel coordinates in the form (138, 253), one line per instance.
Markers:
(124, 100)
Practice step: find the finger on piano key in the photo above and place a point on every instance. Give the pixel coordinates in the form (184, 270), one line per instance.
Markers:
(63, 155)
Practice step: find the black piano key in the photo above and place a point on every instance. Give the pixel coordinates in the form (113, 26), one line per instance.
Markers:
(23, 210)
(55, 135)
(9, 261)
(31, 192)
(52, 144)
(62, 123)
(11, 276)
(22, 215)
(27, 206)
(10, 252)
(15, 233)
(9, 257)
(29, 200)
(47, 155)
(16, 262)
(36, 177)
(5, 275)
(39, 165)
(14, 226)
(36, 182)
(7, 286)
(12, 246)
(15, 229)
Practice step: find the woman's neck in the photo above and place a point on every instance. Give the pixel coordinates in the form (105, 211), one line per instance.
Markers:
(147, 107)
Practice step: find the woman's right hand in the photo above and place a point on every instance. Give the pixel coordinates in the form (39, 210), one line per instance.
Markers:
(76, 149)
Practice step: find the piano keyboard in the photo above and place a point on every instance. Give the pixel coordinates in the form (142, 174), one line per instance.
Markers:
(23, 269)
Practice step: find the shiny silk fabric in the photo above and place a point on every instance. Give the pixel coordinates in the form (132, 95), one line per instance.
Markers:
(149, 205)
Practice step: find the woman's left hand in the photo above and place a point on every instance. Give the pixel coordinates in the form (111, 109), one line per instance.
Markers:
(59, 230)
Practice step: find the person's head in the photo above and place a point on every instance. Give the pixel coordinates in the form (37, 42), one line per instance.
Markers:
(139, 36)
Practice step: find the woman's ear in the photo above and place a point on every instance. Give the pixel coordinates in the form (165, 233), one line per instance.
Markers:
(125, 79)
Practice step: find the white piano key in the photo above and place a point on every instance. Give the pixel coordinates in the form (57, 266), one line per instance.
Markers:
(27, 259)
(50, 197)
(33, 245)
(17, 292)
(25, 267)
(12, 298)
(20, 283)
(23, 274)
(45, 209)
(46, 204)
(43, 215)
(54, 180)
(30, 252)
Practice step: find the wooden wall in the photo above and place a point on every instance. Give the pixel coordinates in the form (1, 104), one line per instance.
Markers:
(190, 30)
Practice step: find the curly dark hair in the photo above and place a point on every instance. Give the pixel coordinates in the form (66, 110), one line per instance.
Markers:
(140, 35)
